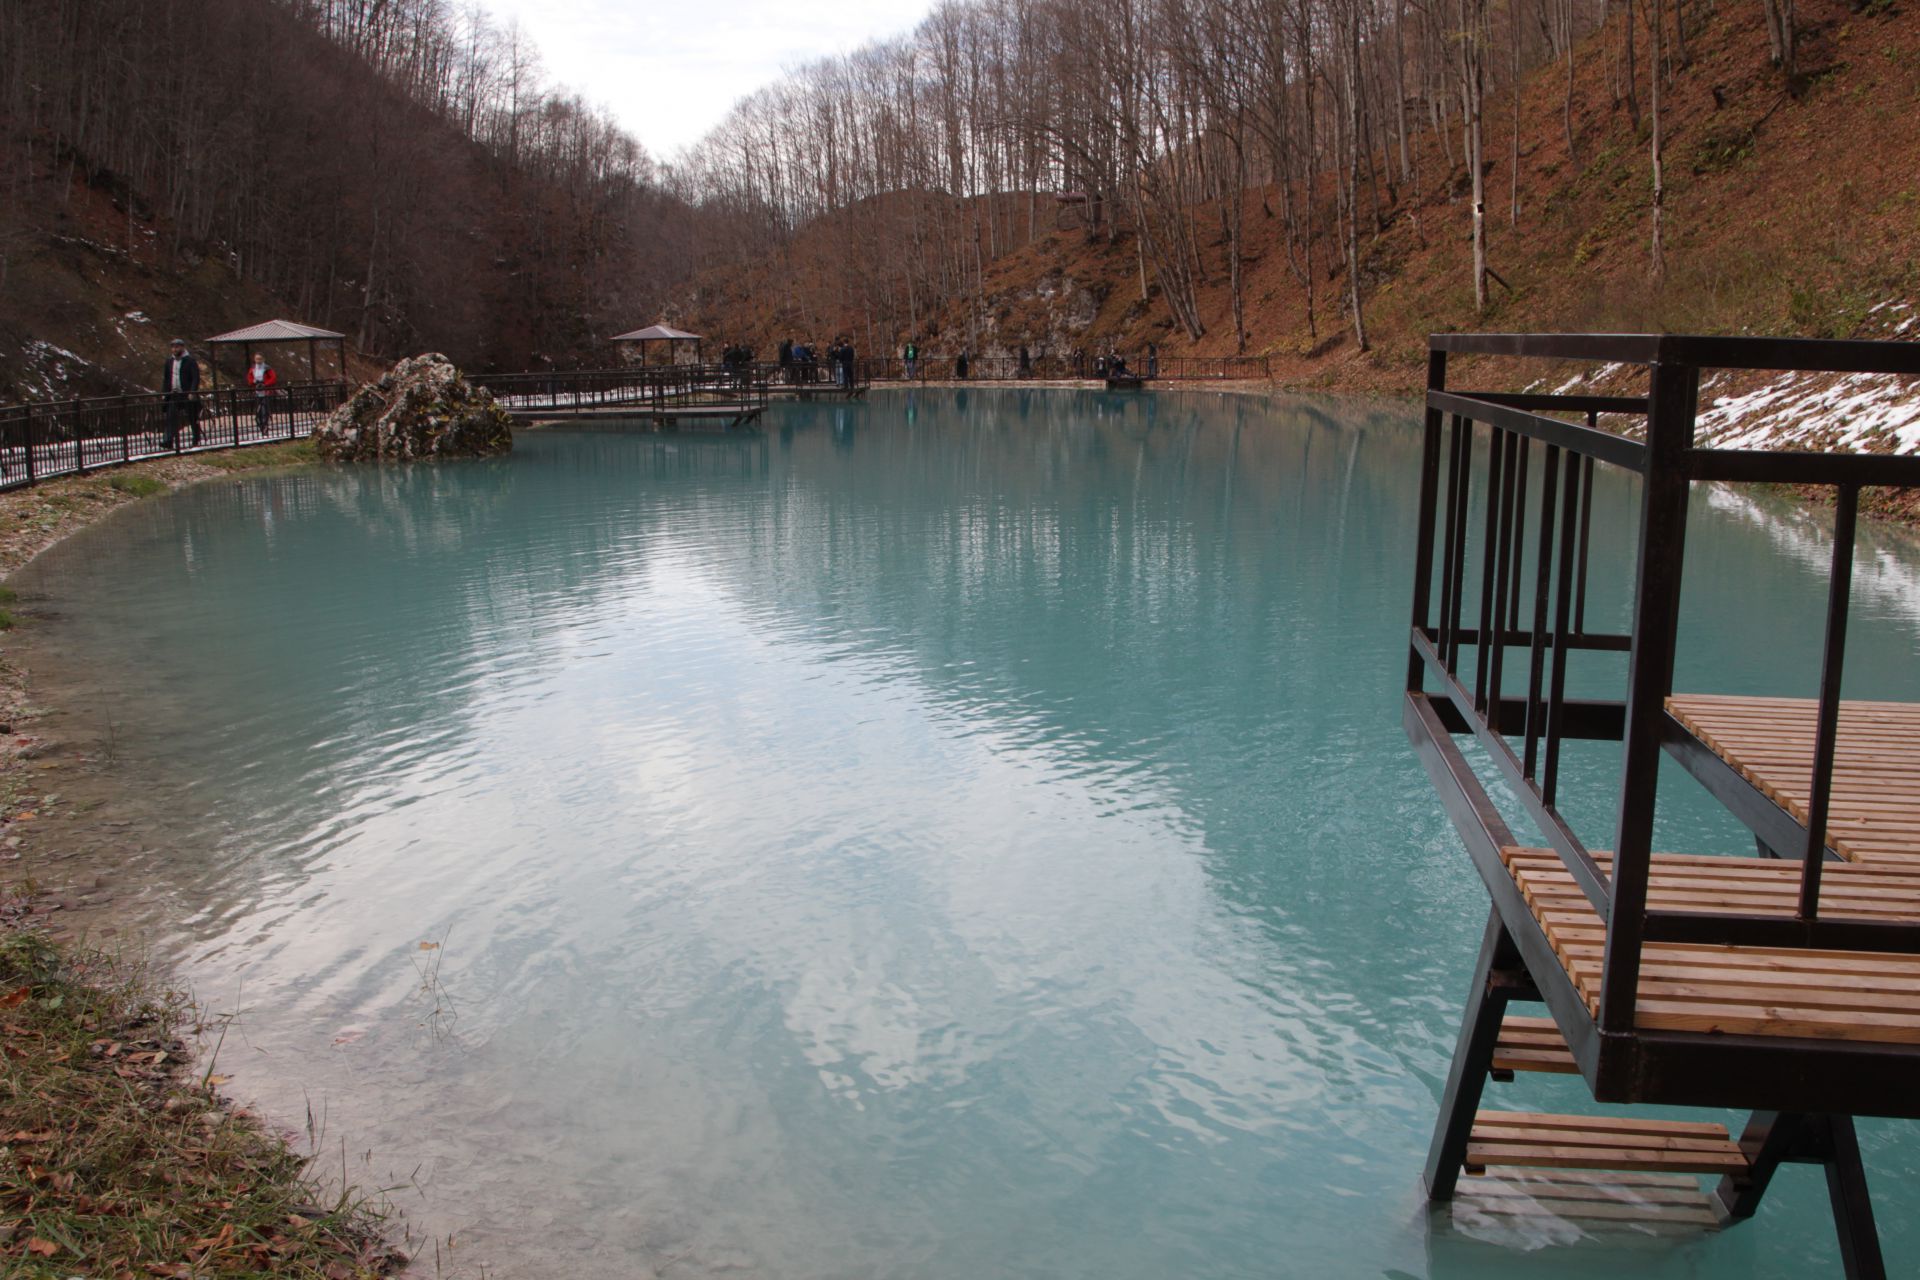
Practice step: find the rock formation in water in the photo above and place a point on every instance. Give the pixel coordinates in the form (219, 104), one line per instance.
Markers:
(420, 408)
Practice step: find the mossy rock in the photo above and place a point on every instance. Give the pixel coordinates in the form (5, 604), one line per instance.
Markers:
(421, 408)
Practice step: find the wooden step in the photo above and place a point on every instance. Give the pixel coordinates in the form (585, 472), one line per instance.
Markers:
(1635, 1200)
(1532, 1044)
(1527, 1139)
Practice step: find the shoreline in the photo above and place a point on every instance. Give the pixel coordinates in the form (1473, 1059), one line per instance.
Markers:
(126, 1157)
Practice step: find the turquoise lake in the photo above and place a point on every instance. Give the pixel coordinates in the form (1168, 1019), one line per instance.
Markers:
(966, 834)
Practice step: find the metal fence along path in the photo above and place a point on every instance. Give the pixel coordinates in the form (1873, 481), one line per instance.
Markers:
(66, 437)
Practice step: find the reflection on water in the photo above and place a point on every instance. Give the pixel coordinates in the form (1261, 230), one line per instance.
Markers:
(963, 834)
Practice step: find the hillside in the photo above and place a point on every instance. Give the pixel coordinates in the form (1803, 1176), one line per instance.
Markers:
(1791, 207)
(88, 304)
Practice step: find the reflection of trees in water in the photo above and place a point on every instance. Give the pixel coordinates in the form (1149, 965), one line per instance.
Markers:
(1061, 565)
(1146, 587)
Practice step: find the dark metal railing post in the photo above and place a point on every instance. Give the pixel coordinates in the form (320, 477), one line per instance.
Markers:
(1573, 523)
(1656, 612)
(1449, 623)
(1542, 584)
(31, 476)
(1429, 501)
(1463, 470)
(1832, 659)
(1496, 451)
(1506, 604)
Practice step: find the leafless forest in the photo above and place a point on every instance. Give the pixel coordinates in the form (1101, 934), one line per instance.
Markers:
(403, 169)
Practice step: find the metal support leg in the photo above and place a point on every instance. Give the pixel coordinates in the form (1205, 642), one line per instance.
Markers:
(1852, 1208)
(1768, 1141)
(1493, 987)
(1771, 1140)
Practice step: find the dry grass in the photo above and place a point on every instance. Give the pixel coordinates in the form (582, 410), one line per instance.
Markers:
(118, 1158)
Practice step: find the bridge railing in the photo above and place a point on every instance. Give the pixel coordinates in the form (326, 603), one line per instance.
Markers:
(43, 439)
(648, 388)
(1061, 366)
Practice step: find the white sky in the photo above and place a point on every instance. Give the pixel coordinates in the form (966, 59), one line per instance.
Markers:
(668, 72)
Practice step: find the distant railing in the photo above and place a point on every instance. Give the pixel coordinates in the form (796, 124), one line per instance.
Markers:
(43, 439)
(643, 388)
(1057, 367)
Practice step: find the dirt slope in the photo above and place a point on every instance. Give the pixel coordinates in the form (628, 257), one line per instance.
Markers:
(1789, 210)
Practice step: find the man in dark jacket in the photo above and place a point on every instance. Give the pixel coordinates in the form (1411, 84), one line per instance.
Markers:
(180, 383)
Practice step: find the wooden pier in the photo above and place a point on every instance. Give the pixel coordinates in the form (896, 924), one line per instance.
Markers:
(1784, 981)
(660, 397)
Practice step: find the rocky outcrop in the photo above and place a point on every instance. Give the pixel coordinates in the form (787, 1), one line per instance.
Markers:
(420, 408)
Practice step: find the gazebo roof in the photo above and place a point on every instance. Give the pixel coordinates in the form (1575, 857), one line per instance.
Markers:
(277, 331)
(658, 333)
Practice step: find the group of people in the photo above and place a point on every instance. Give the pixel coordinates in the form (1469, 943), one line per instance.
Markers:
(1106, 364)
(800, 363)
(180, 389)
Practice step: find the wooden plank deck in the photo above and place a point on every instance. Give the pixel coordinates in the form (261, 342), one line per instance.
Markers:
(1875, 816)
(1634, 1200)
(1527, 1139)
(1865, 997)
(1532, 1044)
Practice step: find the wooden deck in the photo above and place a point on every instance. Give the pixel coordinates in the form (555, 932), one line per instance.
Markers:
(1865, 997)
(1875, 818)
(1634, 1201)
(1532, 1044)
(1527, 1139)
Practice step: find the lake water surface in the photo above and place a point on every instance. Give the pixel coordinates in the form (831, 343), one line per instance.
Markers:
(961, 835)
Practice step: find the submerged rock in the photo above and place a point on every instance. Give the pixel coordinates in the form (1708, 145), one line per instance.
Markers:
(420, 408)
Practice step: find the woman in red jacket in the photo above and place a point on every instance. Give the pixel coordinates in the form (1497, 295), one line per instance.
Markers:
(262, 378)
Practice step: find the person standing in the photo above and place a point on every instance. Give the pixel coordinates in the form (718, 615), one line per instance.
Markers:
(1153, 359)
(180, 383)
(262, 378)
(963, 365)
(911, 356)
(1026, 362)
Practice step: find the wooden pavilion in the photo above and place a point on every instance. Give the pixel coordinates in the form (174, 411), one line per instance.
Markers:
(674, 338)
(282, 333)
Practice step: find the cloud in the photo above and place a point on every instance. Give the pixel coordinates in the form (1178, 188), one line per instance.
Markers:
(669, 74)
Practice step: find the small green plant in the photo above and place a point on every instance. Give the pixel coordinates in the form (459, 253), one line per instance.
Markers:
(1720, 149)
(135, 484)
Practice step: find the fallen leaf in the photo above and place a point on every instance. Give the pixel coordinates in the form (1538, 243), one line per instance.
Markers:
(218, 1080)
(32, 1135)
(429, 946)
(15, 996)
(45, 1248)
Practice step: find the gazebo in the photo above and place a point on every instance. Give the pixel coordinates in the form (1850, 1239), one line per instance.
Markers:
(661, 333)
(278, 332)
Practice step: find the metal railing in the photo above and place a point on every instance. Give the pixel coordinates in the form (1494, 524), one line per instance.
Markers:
(1526, 614)
(1060, 367)
(44, 439)
(643, 388)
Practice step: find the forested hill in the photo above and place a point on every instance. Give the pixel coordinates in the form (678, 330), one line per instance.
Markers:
(1287, 177)
(396, 170)
(1295, 177)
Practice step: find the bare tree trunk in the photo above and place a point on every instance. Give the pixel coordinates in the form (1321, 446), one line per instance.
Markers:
(1657, 268)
